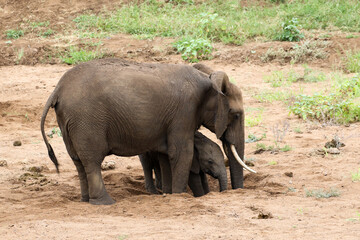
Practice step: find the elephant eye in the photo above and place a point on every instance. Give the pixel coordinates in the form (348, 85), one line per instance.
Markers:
(211, 161)
(237, 116)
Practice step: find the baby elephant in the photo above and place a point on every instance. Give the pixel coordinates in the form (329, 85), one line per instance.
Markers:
(208, 158)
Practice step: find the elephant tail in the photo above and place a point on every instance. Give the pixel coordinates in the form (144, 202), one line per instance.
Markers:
(50, 103)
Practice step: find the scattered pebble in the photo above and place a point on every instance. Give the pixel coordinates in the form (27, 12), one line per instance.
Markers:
(249, 163)
(37, 169)
(108, 165)
(333, 151)
(334, 143)
(289, 174)
(264, 215)
(17, 143)
(3, 163)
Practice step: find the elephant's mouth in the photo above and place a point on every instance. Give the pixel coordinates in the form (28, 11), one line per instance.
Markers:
(211, 174)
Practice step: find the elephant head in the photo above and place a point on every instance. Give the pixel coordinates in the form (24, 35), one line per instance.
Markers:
(209, 158)
(223, 114)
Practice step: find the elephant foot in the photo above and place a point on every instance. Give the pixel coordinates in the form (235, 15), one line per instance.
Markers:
(152, 190)
(106, 200)
(85, 199)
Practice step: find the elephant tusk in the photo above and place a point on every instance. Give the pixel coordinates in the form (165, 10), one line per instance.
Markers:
(236, 155)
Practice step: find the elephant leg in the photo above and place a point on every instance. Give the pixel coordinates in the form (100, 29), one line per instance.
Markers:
(157, 171)
(195, 184)
(147, 165)
(83, 181)
(166, 175)
(180, 151)
(92, 165)
(204, 182)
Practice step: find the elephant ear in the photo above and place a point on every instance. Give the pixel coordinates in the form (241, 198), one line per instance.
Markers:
(221, 84)
(195, 166)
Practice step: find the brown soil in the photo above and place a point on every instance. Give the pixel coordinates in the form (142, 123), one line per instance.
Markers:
(273, 204)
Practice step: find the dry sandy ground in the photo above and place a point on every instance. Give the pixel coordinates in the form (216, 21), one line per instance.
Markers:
(272, 205)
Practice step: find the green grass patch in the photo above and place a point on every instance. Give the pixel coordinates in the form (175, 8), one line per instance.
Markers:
(341, 105)
(253, 119)
(14, 33)
(76, 55)
(270, 96)
(222, 21)
(322, 193)
(355, 177)
(353, 62)
(282, 78)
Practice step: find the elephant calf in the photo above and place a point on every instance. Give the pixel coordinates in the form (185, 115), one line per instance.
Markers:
(208, 158)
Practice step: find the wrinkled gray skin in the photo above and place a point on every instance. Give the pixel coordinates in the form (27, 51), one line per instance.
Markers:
(111, 106)
(208, 158)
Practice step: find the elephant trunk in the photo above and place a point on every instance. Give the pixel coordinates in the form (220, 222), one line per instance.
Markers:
(223, 182)
(236, 170)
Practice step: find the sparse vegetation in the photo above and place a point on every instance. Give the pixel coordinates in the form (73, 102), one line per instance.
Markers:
(298, 53)
(252, 119)
(14, 33)
(282, 78)
(353, 62)
(341, 105)
(270, 96)
(252, 138)
(75, 55)
(355, 177)
(322, 193)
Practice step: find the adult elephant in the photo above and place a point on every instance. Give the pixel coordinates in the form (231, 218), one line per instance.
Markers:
(111, 106)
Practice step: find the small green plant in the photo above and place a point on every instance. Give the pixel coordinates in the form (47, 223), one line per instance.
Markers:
(252, 138)
(55, 131)
(261, 146)
(193, 50)
(297, 129)
(122, 237)
(272, 163)
(47, 33)
(355, 218)
(290, 31)
(76, 55)
(14, 33)
(19, 56)
(355, 177)
(322, 193)
(353, 62)
(286, 148)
